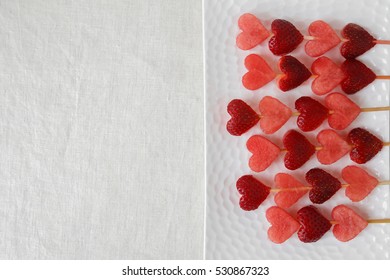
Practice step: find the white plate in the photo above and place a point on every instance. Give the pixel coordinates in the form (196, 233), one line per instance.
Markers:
(232, 233)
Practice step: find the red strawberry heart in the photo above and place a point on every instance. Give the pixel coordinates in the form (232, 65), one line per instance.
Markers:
(324, 185)
(286, 37)
(313, 224)
(253, 192)
(329, 75)
(291, 190)
(365, 145)
(264, 152)
(358, 76)
(295, 73)
(360, 183)
(299, 149)
(243, 117)
(283, 225)
(349, 223)
(333, 147)
(325, 38)
(342, 110)
(274, 114)
(259, 73)
(359, 41)
(253, 32)
(311, 113)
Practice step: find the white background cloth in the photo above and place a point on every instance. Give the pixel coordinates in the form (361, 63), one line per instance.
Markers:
(101, 129)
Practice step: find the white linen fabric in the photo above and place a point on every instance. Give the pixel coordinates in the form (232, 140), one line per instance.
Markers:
(101, 129)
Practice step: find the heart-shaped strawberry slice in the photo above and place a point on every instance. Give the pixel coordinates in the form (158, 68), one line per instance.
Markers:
(342, 110)
(299, 149)
(349, 223)
(264, 152)
(243, 117)
(253, 32)
(274, 114)
(313, 224)
(295, 73)
(282, 224)
(324, 185)
(325, 38)
(259, 73)
(358, 76)
(253, 192)
(312, 113)
(329, 75)
(333, 147)
(365, 145)
(286, 37)
(359, 41)
(360, 183)
(292, 190)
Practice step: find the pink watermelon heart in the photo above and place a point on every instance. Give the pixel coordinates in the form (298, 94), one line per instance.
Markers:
(259, 73)
(360, 183)
(348, 223)
(253, 32)
(274, 114)
(342, 110)
(333, 147)
(291, 191)
(283, 226)
(329, 75)
(325, 39)
(264, 152)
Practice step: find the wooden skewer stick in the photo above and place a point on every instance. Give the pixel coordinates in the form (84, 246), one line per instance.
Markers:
(371, 221)
(375, 109)
(307, 188)
(382, 42)
(383, 77)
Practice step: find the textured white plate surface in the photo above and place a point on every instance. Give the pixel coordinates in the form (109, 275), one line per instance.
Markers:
(232, 233)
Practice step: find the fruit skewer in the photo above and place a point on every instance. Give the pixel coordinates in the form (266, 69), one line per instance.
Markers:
(361, 145)
(352, 75)
(311, 225)
(322, 186)
(340, 112)
(285, 37)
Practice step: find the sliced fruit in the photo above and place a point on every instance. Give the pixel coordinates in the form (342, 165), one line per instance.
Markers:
(324, 185)
(295, 73)
(343, 110)
(253, 192)
(253, 32)
(243, 117)
(291, 190)
(264, 152)
(348, 223)
(325, 38)
(282, 224)
(329, 75)
(259, 72)
(360, 183)
(286, 37)
(299, 149)
(274, 114)
(313, 224)
(333, 145)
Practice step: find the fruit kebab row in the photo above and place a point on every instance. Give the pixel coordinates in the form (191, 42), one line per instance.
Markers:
(361, 145)
(311, 225)
(339, 110)
(322, 186)
(352, 75)
(286, 37)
